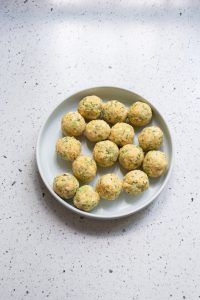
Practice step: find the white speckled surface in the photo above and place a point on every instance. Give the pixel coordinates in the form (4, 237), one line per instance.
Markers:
(50, 49)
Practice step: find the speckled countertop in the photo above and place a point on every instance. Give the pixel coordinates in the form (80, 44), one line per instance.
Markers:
(50, 49)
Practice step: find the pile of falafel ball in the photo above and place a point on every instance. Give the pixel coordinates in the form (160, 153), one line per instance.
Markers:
(111, 144)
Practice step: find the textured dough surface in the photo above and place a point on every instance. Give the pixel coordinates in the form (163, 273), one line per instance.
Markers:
(155, 163)
(109, 186)
(68, 148)
(135, 182)
(72, 124)
(65, 185)
(105, 153)
(139, 114)
(122, 134)
(90, 107)
(86, 198)
(84, 168)
(97, 130)
(131, 156)
(150, 138)
(114, 111)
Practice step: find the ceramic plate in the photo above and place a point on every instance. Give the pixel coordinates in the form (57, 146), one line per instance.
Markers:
(50, 165)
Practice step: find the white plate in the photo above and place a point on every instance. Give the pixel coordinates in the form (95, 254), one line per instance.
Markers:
(50, 165)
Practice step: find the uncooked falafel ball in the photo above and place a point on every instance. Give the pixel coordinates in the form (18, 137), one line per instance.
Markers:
(72, 124)
(65, 185)
(109, 186)
(155, 163)
(150, 138)
(97, 130)
(131, 157)
(84, 168)
(86, 198)
(135, 182)
(139, 114)
(90, 107)
(122, 134)
(68, 148)
(105, 153)
(114, 111)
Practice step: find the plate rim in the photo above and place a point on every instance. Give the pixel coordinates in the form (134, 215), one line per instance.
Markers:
(89, 214)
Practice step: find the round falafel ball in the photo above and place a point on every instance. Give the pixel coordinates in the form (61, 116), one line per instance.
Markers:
(139, 114)
(72, 124)
(114, 111)
(97, 130)
(65, 185)
(84, 168)
(122, 134)
(105, 153)
(109, 186)
(90, 107)
(86, 198)
(155, 163)
(131, 157)
(68, 148)
(135, 182)
(150, 138)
